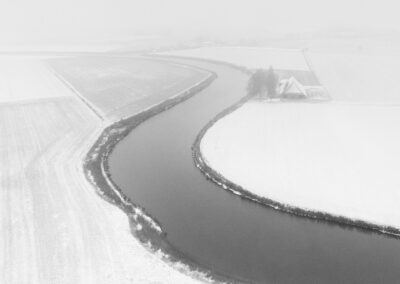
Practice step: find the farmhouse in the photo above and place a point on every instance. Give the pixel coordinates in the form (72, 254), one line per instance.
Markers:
(291, 88)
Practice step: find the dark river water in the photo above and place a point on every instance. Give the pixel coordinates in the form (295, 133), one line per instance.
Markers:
(155, 168)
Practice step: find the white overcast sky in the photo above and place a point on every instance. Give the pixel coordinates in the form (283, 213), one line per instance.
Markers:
(52, 20)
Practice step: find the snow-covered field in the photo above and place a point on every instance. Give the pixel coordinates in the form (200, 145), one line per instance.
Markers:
(339, 157)
(27, 78)
(359, 77)
(335, 158)
(54, 228)
(118, 86)
(249, 57)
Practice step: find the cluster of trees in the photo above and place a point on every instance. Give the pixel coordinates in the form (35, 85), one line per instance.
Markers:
(263, 84)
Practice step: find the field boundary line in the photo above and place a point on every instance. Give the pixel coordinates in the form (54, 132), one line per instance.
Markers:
(93, 108)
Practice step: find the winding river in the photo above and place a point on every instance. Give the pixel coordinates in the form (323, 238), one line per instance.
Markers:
(154, 167)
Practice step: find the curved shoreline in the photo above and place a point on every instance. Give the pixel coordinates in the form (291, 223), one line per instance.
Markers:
(236, 189)
(143, 226)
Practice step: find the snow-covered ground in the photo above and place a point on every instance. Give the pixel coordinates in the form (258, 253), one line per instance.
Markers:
(335, 158)
(54, 228)
(27, 78)
(120, 86)
(339, 157)
(359, 77)
(249, 57)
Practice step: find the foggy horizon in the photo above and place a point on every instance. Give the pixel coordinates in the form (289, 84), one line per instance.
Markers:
(72, 22)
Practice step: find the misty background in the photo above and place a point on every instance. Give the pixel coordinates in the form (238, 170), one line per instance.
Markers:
(120, 22)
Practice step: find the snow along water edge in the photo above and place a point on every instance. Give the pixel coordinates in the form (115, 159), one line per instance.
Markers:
(211, 173)
(217, 177)
(144, 227)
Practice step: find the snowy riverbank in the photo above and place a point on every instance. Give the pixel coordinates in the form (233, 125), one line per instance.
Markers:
(55, 228)
(337, 159)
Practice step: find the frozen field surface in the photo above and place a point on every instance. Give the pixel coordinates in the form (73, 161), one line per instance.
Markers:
(335, 158)
(54, 228)
(27, 78)
(121, 86)
(359, 77)
(249, 57)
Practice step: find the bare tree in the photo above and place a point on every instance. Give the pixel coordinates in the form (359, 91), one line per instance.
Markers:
(263, 83)
(272, 81)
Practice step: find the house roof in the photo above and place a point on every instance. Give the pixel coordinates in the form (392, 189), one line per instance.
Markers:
(291, 86)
